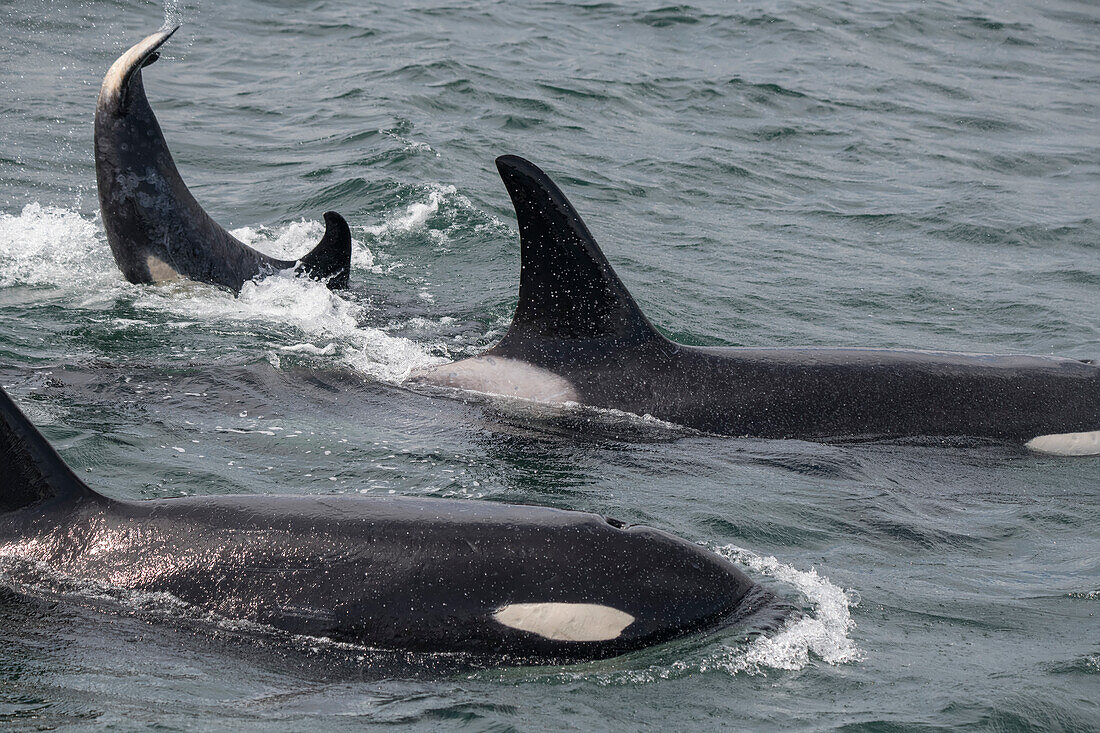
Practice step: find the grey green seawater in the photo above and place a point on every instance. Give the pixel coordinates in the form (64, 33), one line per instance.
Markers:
(918, 174)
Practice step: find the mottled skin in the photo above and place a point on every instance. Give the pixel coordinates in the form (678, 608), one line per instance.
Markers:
(397, 573)
(577, 323)
(156, 228)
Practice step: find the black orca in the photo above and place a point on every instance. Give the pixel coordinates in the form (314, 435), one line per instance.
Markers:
(578, 336)
(156, 228)
(500, 581)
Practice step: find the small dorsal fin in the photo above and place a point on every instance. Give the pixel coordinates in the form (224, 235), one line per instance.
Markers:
(30, 469)
(567, 290)
(330, 260)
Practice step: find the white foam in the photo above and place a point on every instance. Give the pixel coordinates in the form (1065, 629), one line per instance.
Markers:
(424, 325)
(312, 309)
(58, 247)
(821, 632)
(416, 214)
(1067, 444)
(297, 238)
(46, 245)
(327, 350)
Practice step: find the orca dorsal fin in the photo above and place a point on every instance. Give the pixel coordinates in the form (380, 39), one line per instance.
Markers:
(31, 472)
(330, 260)
(567, 289)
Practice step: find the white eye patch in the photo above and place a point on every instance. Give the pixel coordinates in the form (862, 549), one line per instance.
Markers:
(566, 621)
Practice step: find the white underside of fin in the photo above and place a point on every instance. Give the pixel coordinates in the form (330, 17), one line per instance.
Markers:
(160, 270)
(498, 376)
(566, 621)
(1067, 444)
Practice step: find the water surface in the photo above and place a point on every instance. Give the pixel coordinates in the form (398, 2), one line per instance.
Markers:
(776, 174)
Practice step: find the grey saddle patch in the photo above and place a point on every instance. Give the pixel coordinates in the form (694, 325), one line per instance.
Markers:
(1067, 444)
(499, 376)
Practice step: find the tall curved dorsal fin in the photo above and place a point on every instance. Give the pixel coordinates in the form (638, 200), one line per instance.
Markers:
(568, 291)
(30, 469)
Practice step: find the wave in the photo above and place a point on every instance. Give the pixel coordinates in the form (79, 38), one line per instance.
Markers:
(822, 632)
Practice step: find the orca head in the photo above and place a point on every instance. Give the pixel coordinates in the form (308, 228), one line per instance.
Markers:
(634, 586)
(678, 586)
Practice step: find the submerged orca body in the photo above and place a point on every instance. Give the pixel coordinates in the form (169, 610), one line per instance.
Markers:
(425, 575)
(578, 336)
(156, 229)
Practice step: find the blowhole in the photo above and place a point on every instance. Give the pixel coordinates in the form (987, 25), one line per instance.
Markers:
(616, 523)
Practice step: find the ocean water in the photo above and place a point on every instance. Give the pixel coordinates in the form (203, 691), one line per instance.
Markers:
(890, 173)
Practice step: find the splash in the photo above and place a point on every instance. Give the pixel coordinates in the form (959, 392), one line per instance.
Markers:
(416, 214)
(821, 632)
(45, 245)
(325, 325)
(173, 13)
(287, 242)
(452, 211)
(60, 249)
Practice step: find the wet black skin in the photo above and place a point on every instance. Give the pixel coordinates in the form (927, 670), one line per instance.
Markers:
(148, 211)
(577, 320)
(819, 393)
(397, 573)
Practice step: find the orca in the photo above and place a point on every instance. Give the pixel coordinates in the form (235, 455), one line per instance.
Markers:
(156, 228)
(578, 337)
(495, 581)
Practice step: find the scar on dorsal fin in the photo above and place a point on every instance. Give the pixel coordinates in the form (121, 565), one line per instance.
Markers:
(32, 472)
(568, 291)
